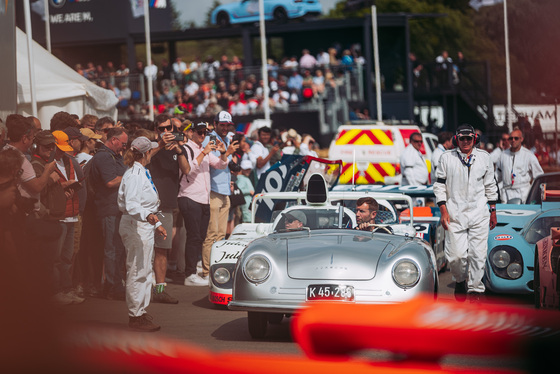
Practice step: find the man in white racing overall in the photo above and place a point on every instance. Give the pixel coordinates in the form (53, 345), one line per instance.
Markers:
(464, 188)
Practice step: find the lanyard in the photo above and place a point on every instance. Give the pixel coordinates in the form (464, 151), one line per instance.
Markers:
(512, 173)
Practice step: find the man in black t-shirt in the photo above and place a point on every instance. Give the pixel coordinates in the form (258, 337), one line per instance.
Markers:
(165, 168)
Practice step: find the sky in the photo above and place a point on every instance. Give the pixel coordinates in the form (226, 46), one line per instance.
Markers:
(195, 10)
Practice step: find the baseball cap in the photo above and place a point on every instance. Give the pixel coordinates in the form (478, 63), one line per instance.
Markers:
(223, 117)
(246, 164)
(465, 129)
(143, 144)
(44, 137)
(296, 214)
(90, 134)
(200, 125)
(62, 141)
(74, 133)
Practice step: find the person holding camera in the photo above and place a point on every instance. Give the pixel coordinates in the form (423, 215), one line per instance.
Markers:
(166, 166)
(220, 182)
(194, 197)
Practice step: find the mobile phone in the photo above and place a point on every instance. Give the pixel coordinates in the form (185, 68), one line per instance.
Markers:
(179, 136)
(51, 156)
(213, 138)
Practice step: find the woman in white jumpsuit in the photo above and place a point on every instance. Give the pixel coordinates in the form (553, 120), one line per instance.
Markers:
(466, 194)
(139, 202)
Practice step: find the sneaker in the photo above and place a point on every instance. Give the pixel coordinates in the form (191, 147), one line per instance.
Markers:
(143, 323)
(204, 277)
(62, 299)
(461, 291)
(163, 298)
(195, 280)
(74, 297)
(475, 297)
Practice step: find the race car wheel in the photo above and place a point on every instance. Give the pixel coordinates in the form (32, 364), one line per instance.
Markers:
(280, 16)
(223, 20)
(258, 323)
(537, 282)
(275, 318)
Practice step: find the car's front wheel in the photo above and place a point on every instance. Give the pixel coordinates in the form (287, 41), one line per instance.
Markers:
(258, 323)
(280, 16)
(223, 20)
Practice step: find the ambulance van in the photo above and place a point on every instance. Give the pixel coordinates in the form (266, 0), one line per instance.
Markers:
(371, 153)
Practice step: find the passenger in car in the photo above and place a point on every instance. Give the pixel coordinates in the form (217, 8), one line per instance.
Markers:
(294, 220)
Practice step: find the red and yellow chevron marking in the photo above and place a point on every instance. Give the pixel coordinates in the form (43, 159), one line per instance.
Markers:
(365, 137)
(373, 174)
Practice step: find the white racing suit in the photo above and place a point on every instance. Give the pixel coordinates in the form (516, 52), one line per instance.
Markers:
(138, 198)
(517, 170)
(466, 191)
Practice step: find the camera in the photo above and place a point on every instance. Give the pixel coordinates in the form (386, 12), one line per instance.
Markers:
(179, 136)
(213, 138)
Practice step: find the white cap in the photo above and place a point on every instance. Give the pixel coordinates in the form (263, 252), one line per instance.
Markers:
(223, 117)
(246, 164)
(143, 144)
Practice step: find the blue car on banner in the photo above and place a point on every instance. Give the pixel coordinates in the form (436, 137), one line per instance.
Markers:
(279, 11)
(511, 245)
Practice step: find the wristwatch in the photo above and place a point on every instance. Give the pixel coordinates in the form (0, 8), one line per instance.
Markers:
(492, 209)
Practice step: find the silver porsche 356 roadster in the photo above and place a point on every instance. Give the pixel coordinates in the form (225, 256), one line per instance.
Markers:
(327, 259)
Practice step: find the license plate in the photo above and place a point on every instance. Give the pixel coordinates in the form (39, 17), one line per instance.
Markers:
(330, 292)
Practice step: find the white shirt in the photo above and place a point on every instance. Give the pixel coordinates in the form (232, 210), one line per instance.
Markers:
(413, 167)
(259, 150)
(517, 170)
(81, 157)
(137, 196)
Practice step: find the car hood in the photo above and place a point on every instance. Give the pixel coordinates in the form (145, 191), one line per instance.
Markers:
(334, 257)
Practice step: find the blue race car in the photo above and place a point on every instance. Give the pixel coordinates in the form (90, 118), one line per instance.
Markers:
(511, 245)
(279, 11)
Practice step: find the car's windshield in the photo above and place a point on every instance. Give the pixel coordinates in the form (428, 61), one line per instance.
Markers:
(540, 228)
(535, 194)
(317, 219)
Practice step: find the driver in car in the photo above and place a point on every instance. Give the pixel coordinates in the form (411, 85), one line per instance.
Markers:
(366, 210)
(294, 220)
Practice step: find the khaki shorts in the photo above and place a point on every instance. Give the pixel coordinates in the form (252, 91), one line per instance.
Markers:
(166, 219)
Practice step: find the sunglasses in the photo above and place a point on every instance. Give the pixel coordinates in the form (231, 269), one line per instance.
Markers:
(465, 138)
(416, 141)
(202, 132)
(49, 146)
(165, 128)
(106, 129)
(516, 138)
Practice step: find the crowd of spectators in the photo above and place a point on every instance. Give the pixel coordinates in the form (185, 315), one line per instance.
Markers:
(204, 88)
(66, 199)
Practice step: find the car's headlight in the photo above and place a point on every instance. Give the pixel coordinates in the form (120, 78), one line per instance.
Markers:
(514, 270)
(406, 273)
(222, 275)
(501, 259)
(257, 268)
(506, 262)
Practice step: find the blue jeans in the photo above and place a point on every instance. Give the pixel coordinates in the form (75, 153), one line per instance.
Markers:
(63, 259)
(114, 259)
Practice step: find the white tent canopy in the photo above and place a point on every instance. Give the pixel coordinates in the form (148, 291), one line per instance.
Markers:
(57, 87)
